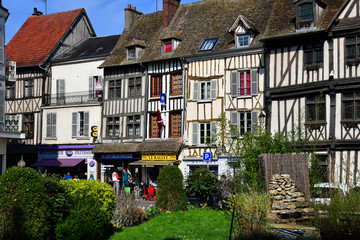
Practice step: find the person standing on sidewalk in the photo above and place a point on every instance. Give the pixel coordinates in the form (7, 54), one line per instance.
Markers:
(116, 180)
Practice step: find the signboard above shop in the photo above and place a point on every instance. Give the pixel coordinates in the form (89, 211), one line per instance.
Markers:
(116, 156)
(161, 157)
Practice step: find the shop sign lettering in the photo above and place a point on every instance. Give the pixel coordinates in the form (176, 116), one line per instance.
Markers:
(161, 157)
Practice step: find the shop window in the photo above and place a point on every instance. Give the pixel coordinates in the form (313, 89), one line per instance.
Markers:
(51, 125)
(175, 119)
(114, 89)
(80, 124)
(244, 121)
(28, 88)
(28, 125)
(313, 56)
(154, 127)
(351, 107)
(133, 126)
(244, 83)
(156, 86)
(213, 168)
(135, 87)
(176, 84)
(113, 127)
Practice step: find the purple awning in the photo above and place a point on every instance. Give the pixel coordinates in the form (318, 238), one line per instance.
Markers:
(57, 163)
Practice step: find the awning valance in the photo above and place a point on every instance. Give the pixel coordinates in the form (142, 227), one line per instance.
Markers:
(57, 162)
(149, 163)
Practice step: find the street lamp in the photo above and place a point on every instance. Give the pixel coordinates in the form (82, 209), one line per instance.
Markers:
(262, 117)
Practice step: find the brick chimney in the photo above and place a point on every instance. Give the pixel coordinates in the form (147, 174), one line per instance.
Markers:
(169, 10)
(37, 13)
(130, 15)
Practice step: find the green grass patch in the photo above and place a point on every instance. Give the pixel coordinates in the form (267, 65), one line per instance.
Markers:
(194, 224)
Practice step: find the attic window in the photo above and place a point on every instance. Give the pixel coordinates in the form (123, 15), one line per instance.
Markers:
(306, 12)
(208, 44)
(167, 46)
(242, 40)
(131, 53)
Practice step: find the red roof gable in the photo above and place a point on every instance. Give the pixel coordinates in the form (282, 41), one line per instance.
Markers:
(38, 36)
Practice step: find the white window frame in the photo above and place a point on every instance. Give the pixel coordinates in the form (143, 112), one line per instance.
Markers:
(78, 119)
(238, 42)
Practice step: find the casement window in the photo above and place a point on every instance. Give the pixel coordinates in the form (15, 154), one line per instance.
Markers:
(244, 83)
(60, 91)
(315, 110)
(244, 121)
(80, 124)
(202, 132)
(94, 81)
(154, 127)
(134, 87)
(28, 125)
(313, 56)
(114, 89)
(28, 88)
(133, 126)
(131, 53)
(113, 127)
(306, 13)
(322, 171)
(352, 45)
(243, 40)
(167, 46)
(175, 128)
(156, 86)
(351, 107)
(51, 125)
(176, 84)
(10, 91)
(208, 44)
(205, 91)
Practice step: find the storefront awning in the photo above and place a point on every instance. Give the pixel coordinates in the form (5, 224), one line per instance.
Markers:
(57, 163)
(149, 163)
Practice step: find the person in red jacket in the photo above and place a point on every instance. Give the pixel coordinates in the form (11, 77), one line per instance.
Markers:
(116, 182)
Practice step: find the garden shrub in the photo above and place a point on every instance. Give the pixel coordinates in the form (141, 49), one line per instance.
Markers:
(91, 207)
(256, 205)
(170, 194)
(202, 184)
(340, 219)
(127, 213)
(30, 204)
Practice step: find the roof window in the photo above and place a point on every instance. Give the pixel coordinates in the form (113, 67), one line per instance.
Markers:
(208, 44)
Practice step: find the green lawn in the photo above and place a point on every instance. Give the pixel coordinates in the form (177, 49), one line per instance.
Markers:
(195, 224)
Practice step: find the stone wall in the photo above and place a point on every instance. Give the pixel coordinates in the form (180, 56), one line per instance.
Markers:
(288, 202)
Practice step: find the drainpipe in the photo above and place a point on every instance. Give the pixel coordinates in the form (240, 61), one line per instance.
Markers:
(145, 99)
(183, 65)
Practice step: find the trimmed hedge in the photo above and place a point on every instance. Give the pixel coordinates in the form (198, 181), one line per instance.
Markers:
(171, 195)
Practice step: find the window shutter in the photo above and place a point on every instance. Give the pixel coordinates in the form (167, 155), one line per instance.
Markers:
(48, 125)
(234, 84)
(212, 128)
(254, 116)
(195, 129)
(213, 91)
(234, 122)
(53, 125)
(196, 91)
(91, 87)
(74, 124)
(254, 82)
(86, 124)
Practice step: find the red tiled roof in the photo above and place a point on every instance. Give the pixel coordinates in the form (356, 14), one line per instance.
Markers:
(38, 36)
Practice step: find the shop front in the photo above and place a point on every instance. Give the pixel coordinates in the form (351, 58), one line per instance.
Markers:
(61, 159)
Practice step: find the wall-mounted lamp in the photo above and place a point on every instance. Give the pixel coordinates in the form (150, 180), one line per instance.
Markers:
(331, 76)
(262, 117)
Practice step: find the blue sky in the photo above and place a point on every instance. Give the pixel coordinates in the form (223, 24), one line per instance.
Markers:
(106, 16)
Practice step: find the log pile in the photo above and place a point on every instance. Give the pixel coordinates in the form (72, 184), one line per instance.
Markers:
(288, 202)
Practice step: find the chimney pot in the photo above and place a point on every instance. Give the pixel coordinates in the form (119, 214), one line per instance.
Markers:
(134, 8)
(37, 13)
(129, 5)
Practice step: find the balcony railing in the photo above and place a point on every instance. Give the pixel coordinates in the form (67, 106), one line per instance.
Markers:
(74, 98)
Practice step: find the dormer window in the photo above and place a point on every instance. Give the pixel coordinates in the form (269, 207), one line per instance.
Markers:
(135, 49)
(306, 12)
(208, 44)
(167, 47)
(243, 40)
(131, 53)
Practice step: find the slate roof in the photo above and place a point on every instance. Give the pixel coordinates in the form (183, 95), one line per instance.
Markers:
(93, 47)
(38, 36)
(282, 19)
(192, 23)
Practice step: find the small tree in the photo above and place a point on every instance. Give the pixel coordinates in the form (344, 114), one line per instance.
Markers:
(171, 195)
(202, 184)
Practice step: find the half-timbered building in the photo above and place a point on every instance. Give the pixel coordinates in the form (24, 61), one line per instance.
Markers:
(38, 41)
(312, 73)
(74, 110)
